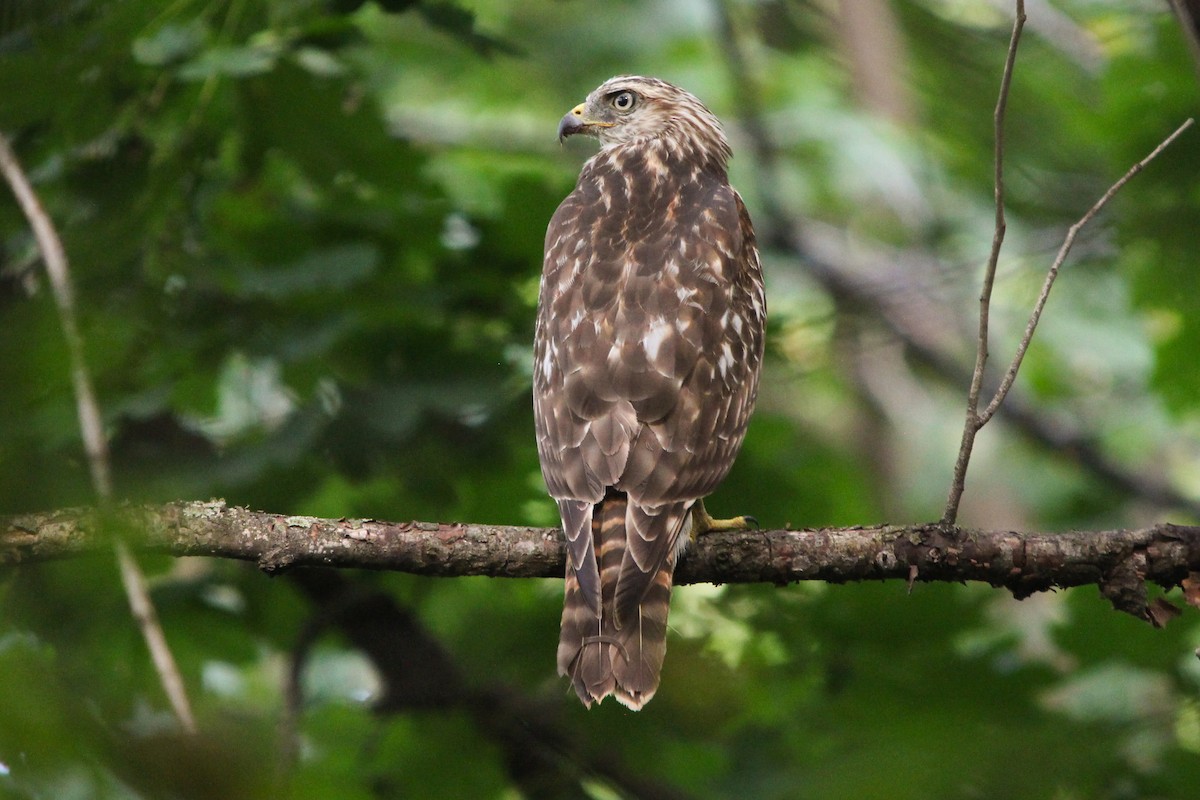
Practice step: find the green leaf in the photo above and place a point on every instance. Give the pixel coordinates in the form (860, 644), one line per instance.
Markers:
(231, 61)
(332, 269)
(170, 44)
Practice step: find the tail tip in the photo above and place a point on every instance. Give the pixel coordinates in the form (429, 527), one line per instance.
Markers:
(634, 701)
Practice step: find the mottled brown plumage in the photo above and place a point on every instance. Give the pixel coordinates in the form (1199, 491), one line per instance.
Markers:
(647, 355)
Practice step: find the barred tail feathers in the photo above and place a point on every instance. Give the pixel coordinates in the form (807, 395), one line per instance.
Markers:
(588, 638)
(643, 642)
(621, 650)
(655, 536)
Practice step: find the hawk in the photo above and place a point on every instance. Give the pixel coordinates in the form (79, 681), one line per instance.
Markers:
(646, 362)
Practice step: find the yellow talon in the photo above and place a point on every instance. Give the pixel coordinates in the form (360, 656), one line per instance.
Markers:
(702, 523)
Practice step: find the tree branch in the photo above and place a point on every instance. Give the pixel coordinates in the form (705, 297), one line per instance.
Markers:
(1120, 562)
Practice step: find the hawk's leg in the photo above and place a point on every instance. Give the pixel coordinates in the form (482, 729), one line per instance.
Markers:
(702, 523)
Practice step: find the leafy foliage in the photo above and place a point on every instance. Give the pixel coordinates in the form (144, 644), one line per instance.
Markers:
(306, 237)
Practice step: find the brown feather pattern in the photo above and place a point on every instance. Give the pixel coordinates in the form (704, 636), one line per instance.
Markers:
(647, 354)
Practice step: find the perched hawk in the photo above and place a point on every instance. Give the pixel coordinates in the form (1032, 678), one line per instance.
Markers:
(649, 342)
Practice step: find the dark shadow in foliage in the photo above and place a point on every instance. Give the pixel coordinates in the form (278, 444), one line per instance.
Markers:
(541, 756)
(448, 17)
(115, 738)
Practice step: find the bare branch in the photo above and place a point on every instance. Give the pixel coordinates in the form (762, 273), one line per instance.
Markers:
(92, 429)
(1011, 375)
(972, 424)
(862, 277)
(1120, 562)
(975, 419)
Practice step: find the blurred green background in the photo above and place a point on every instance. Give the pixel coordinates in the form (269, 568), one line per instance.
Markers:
(306, 238)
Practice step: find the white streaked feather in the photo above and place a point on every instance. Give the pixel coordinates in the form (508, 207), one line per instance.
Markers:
(655, 337)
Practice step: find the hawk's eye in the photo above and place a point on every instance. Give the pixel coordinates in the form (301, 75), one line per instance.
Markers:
(623, 101)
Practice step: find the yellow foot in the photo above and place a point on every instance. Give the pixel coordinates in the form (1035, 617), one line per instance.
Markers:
(702, 523)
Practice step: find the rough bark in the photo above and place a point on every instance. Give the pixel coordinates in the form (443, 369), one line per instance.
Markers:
(1119, 562)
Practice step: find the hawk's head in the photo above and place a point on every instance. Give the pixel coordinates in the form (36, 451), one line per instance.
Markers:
(629, 108)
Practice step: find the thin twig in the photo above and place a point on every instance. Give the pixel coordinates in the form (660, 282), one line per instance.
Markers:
(1011, 375)
(146, 616)
(92, 430)
(972, 424)
(55, 259)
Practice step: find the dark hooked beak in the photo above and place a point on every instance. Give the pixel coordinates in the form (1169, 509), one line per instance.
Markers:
(571, 123)
(575, 122)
